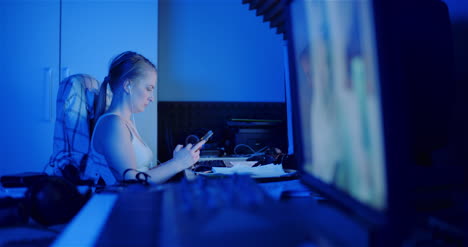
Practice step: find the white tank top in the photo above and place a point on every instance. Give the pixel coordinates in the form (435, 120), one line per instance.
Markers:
(97, 166)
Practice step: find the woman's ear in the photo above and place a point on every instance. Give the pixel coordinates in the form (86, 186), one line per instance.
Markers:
(128, 86)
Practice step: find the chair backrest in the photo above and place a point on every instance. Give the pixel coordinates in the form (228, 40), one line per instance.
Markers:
(74, 123)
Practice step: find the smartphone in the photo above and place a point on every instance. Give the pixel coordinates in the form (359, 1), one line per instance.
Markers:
(207, 135)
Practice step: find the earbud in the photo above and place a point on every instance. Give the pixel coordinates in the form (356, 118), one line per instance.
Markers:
(129, 88)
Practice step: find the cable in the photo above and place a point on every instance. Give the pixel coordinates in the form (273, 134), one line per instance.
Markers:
(187, 139)
(262, 149)
(46, 166)
(125, 173)
(244, 145)
(132, 107)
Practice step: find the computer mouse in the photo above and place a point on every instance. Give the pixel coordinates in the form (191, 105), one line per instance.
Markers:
(202, 168)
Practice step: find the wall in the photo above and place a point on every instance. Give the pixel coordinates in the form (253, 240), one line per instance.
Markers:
(217, 50)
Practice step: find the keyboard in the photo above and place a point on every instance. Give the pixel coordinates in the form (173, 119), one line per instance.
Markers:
(205, 195)
(217, 211)
(211, 163)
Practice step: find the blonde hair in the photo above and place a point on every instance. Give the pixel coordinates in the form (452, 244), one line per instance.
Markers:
(128, 65)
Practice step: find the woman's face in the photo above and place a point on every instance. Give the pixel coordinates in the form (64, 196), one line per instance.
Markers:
(143, 90)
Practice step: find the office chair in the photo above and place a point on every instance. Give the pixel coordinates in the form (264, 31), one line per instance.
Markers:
(73, 125)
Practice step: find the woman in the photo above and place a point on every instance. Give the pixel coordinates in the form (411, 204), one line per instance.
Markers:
(117, 151)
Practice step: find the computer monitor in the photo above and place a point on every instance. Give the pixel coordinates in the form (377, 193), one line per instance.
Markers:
(371, 119)
(339, 97)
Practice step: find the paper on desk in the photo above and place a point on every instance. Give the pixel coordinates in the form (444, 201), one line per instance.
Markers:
(270, 170)
(241, 163)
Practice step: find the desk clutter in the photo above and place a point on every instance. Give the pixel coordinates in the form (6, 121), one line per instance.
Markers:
(245, 168)
(265, 164)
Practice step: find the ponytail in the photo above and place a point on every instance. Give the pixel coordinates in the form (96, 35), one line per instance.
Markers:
(101, 100)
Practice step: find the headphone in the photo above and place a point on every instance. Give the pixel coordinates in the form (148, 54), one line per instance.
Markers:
(54, 200)
(129, 88)
(49, 200)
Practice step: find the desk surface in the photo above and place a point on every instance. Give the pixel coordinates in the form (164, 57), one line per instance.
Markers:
(278, 224)
(85, 228)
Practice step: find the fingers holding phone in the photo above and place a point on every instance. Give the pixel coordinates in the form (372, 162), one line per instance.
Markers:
(203, 140)
(187, 156)
(199, 145)
(207, 136)
(177, 149)
(190, 154)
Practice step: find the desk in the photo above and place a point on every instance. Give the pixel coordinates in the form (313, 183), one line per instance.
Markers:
(277, 224)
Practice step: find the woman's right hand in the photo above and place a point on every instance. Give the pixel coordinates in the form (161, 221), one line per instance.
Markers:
(189, 155)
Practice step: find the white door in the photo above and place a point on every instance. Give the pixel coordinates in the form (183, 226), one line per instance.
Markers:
(29, 78)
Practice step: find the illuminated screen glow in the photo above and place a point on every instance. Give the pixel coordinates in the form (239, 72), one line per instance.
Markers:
(339, 97)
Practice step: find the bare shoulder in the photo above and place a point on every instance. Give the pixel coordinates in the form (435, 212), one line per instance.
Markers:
(111, 129)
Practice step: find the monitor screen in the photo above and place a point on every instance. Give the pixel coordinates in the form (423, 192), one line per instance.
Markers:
(337, 97)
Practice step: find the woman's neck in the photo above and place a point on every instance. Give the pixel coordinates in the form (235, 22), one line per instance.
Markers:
(120, 109)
